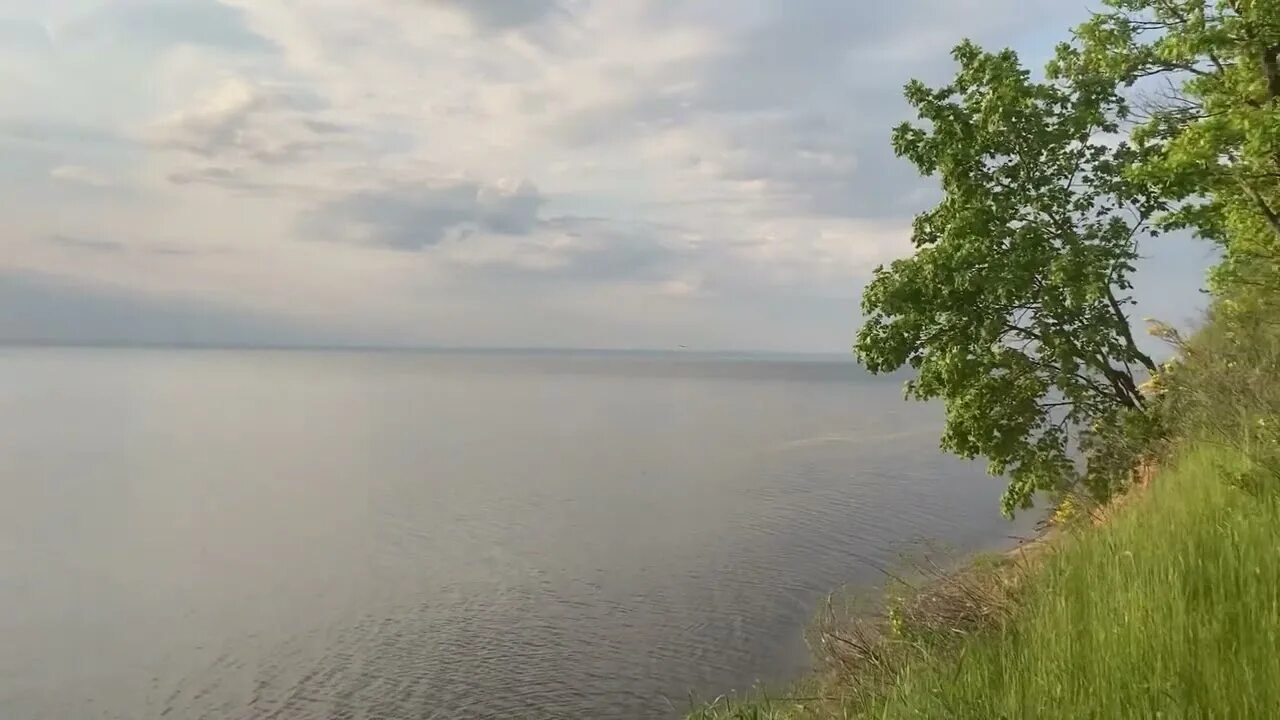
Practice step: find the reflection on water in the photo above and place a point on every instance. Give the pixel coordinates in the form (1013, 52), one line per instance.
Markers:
(252, 534)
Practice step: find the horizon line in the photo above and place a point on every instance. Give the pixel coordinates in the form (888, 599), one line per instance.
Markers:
(370, 347)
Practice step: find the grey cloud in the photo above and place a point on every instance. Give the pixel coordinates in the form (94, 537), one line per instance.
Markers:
(79, 243)
(415, 216)
(323, 127)
(777, 62)
(412, 217)
(64, 163)
(284, 153)
(238, 181)
(503, 14)
(604, 250)
(58, 134)
(86, 243)
(821, 164)
(563, 248)
(35, 308)
(219, 176)
(243, 121)
(590, 252)
(807, 96)
(819, 55)
(176, 251)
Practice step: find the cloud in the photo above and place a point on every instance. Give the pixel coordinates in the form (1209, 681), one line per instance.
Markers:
(92, 244)
(324, 127)
(420, 215)
(42, 308)
(58, 133)
(238, 179)
(25, 35)
(238, 119)
(717, 171)
(502, 14)
(80, 175)
(659, 260)
(153, 25)
(74, 242)
(218, 123)
(213, 175)
(794, 106)
(590, 251)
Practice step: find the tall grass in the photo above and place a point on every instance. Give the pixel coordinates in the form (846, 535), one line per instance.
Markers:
(1172, 610)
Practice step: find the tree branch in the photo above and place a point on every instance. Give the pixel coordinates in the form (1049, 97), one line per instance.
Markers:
(1271, 68)
(1127, 332)
(1272, 218)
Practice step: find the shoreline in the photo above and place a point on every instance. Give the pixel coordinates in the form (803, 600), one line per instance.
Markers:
(936, 578)
(1173, 582)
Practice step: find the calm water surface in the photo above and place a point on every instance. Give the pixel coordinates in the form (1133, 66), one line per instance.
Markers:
(314, 535)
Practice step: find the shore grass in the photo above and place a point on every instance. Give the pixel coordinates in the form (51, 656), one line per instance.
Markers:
(1169, 609)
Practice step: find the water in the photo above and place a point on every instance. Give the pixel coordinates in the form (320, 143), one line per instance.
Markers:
(306, 535)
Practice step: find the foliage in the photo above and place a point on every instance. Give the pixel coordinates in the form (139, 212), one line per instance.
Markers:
(1012, 309)
(1162, 115)
(1224, 389)
(1209, 75)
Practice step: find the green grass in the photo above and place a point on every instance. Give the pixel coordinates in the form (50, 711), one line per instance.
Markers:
(1169, 610)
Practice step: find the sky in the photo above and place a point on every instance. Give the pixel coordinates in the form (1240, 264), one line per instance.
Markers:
(498, 173)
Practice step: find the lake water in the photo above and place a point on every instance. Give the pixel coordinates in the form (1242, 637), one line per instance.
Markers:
(232, 534)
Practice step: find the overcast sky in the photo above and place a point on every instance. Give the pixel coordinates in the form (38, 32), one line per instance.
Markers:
(618, 173)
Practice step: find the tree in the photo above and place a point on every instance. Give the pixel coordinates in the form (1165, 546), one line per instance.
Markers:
(1013, 308)
(1210, 74)
(1160, 115)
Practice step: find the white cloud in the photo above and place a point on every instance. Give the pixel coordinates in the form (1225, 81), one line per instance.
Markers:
(483, 171)
(237, 120)
(219, 120)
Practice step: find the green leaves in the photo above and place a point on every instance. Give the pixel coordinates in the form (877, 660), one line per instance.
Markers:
(1209, 136)
(1012, 310)
(1161, 115)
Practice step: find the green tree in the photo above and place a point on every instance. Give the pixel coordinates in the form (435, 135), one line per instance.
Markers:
(1161, 115)
(1013, 308)
(1208, 74)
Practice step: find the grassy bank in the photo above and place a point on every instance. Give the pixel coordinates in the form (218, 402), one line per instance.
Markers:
(1169, 609)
